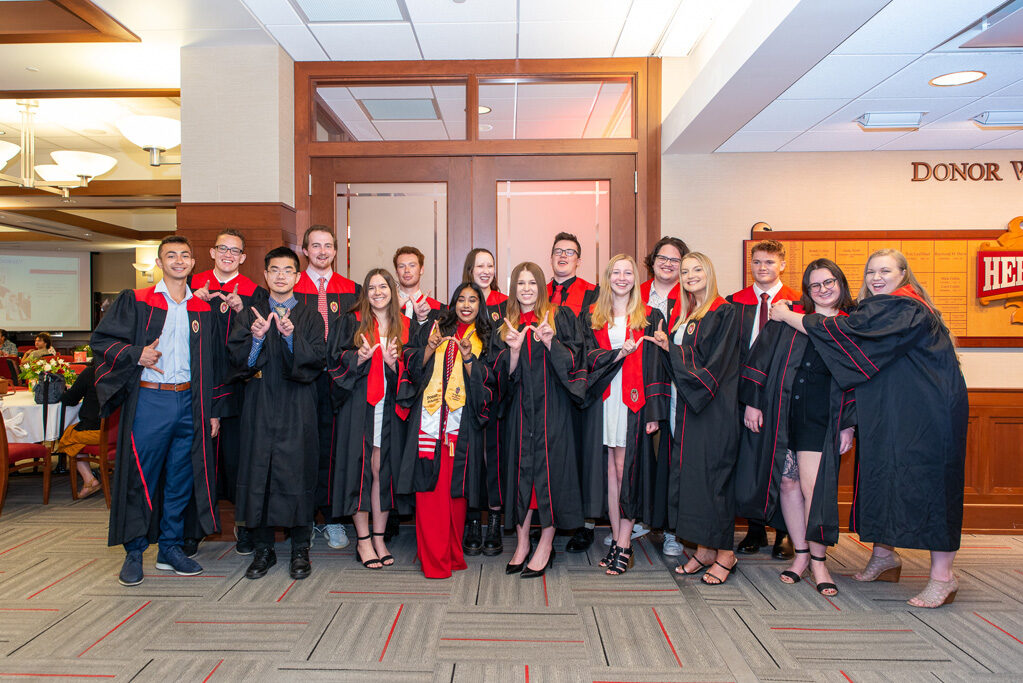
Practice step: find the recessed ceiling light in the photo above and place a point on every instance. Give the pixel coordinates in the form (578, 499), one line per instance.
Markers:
(484, 109)
(957, 78)
(486, 128)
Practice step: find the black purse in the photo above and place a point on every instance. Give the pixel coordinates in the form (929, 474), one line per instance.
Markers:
(49, 389)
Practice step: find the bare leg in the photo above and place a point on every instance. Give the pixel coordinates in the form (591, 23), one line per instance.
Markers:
(522, 540)
(623, 530)
(364, 547)
(941, 565)
(809, 464)
(724, 560)
(614, 484)
(379, 516)
(794, 512)
(543, 549)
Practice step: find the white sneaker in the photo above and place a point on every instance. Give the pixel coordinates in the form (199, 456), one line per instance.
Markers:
(671, 547)
(638, 531)
(337, 537)
(608, 539)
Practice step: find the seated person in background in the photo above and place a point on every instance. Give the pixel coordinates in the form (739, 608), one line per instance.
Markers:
(85, 432)
(7, 347)
(42, 349)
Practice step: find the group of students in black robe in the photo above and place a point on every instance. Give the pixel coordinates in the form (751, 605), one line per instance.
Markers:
(577, 402)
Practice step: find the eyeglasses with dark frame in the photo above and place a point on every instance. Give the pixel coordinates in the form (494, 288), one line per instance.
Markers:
(564, 252)
(824, 284)
(224, 249)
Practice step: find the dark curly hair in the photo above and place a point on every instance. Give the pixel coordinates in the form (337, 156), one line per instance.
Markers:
(448, 321)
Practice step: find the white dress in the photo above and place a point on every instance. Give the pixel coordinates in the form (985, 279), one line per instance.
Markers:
(616, 415)
(378, 416)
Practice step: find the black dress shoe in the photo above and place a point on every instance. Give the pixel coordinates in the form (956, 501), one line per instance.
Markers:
(473, 541)
(261, 563)
(782, 546)
(190, 546)
(300, 566)
(581, 541)
(244, 544)
(493, 544)
(528, 573)
(754, 540)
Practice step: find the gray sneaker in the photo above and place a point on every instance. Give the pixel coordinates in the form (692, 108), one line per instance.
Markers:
(671, 547)
(608, 539)
(337, 537)
(174, 560)
(638, 531)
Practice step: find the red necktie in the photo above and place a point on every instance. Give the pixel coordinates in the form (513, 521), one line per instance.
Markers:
(321, 304)
(764, 303)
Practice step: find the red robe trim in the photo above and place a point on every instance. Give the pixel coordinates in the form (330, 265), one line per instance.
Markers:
(246, 287)
(576, 294)
(633, 388)
(337, 284)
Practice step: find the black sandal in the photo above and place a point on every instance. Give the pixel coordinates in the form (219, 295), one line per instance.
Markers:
(696, 571)
(622, 561)
(385, 558)
(715, 580)
(609, 559)
(791, 575)
(374, 563)
(824, 586)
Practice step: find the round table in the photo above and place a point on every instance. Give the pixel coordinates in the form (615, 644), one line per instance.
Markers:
(23, 418)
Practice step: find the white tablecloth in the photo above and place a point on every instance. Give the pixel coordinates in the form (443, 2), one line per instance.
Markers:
(23, 418)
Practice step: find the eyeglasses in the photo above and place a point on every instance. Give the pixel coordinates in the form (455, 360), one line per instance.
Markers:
(224, 249)
(668, 259)
(274, 270)
(565, 252)
(825, 284)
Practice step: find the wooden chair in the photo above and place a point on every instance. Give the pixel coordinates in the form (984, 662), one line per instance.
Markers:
(21, 456)
(101, 456)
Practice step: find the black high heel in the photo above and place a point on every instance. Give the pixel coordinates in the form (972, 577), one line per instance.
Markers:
(791, 575)
(622, 561)
(824, 586)
(516, 568)
(374, 563)
(608, 559)
(715, 581)
(385, 558)
(528, 573)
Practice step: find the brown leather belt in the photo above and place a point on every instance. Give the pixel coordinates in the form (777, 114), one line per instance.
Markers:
(184, 386)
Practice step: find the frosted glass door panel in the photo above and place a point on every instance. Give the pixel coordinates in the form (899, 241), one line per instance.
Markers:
(530, 213)
(380, 217)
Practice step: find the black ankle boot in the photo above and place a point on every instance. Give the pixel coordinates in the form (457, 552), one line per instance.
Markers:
(493, 544)
(261, 563)
(300, 567)
(473, 541)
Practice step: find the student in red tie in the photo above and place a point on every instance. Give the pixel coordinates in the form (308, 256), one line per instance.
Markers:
(767, 263)
(367, 364)
(450, 395)
(229, 293)
(481, 269)
(332, 295)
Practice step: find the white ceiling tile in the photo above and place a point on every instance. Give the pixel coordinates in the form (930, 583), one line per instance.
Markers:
(550, 128)
(452, 109)
(548, 91)
(845, 76)
(946, 139)
(566, 39)
(456, 129)
(499, 108)
(412, 130)
(446, 11)
(467, 41)
(756, 141)
(279, 12)
(362, 10)
(1011, 141)
(907, 26)
(395, 92)
(643, 27)
(500, 130)
(561, 108)
(1002, 69)
(792, 115)
(1014, 90)
(363, 130)
(180, 14)
(298, 42)
(570, 10)
(348, 111)
(367, 42)
(934, 108)
(979, 106)
(449, 92)
(335, 94)
(856, 141)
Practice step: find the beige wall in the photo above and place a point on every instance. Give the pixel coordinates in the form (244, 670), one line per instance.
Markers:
(712, 201)
(112, 271)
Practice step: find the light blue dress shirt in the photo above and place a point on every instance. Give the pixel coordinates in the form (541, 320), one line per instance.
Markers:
(174, 343)
(257, 344)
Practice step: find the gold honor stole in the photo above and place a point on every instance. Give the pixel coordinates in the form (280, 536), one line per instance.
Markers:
(455, 394)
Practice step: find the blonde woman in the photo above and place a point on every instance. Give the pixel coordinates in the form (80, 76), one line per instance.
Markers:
(536, 355)
(911, 407)
(703, 358)
(628, 393)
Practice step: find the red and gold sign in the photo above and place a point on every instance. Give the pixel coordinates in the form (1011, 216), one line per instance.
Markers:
(1000, 269)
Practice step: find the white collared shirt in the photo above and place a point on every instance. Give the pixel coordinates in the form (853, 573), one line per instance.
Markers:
(760, 302)
(408, 303)
(175, 353)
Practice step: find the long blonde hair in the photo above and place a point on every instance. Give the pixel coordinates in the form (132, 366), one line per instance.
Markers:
(908, 278)
(367, 321)
(603, 310)
(689, 307)
(543, 308)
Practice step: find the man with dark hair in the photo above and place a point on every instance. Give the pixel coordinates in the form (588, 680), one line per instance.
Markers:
(419, 308)
(767, 263)
(154, 349)
(277, 347)
(332, 295)
(7, 347)
(229, 293)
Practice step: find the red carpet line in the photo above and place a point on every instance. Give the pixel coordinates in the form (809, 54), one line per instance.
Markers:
(665, 632)
(4, 552)
(60, 579)
(643, 548)
(848, 630)
(846, 676)
(510, 640)
(210, 674)
(1000, 629)
(263, 623)
(115, 628)
(381, 593)
(6, 673)
(546, 602)
(287, 589)
(386, 644)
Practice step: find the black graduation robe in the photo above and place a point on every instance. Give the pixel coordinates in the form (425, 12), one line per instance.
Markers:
(415, 327)
(705, 371)
(745, 301)
(227, 395)
(652, 399)
(491, 481)
(537, 403)
(912, 409)
(766, 383)
(353, 438)
(278, 437)
(575, 293)
(419, 475)
(136, 320)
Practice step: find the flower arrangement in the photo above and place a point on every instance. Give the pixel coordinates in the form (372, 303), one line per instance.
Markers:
(33, 370)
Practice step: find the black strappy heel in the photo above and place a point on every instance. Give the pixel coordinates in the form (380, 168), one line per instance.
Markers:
(622, 561)
(715, 581)
(385, 558)
(681, 569)
(608, 559)
(374, 563)
(824, 586)
(791, 575)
